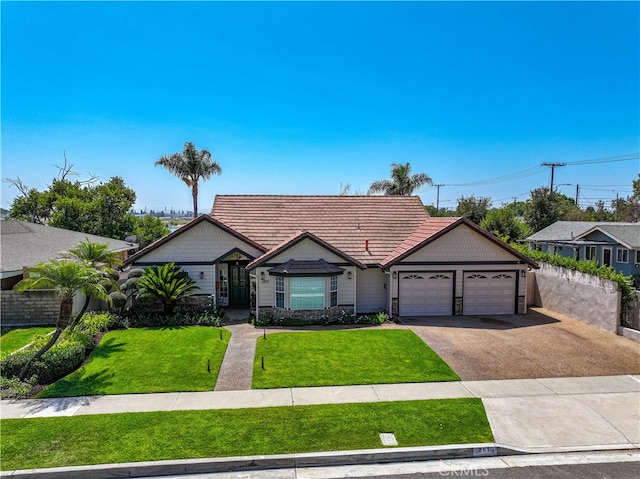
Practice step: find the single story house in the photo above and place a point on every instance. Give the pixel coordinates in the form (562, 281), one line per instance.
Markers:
(303, 256)
(24, 245)
(608, 243)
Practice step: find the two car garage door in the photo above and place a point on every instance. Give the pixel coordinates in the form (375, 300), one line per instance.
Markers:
(431, 294)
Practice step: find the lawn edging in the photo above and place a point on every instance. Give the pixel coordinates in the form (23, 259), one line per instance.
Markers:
(278, 461)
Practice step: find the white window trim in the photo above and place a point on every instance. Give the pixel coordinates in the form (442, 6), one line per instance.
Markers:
(624, 252)
(593, 256)
(285, 290)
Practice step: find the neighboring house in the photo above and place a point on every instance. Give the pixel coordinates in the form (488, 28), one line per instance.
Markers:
(26, 244)
(612, 244)
(304, 256)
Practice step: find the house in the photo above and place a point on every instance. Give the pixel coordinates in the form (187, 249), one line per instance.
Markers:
(24, 245)
(611, 244)
(304, 256)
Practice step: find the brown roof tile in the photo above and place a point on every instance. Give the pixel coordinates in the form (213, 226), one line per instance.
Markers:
(345, 222)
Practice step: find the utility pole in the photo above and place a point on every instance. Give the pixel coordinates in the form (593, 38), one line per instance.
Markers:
(577, 194)
(438, 199)
(553, 166)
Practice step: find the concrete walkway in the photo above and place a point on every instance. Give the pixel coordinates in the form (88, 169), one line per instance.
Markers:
(534, 415)
(236, 370)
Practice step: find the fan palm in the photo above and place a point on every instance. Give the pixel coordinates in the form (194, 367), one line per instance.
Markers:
(190, 165)
(168, 283)
(402, 182)
(98, 256)
(64, 278)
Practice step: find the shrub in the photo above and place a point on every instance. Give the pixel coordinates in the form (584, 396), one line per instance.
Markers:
(13, 388)
(142, 320)
(344, 317)
(97, 322)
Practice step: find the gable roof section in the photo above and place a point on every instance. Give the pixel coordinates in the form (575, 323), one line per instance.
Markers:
(346, 223)
(294, 240)
(626, 234)
(568, 230)
(27, 244)
(174, 234)
(434, 228)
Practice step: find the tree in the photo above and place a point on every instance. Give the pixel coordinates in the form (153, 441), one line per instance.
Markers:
(545, 207)
(65, 278)
(99, 257)
(149, 229)
(190, 165)
(473, 208)
(504, 224)
(168, 283)
(402, 182)
(628, 209)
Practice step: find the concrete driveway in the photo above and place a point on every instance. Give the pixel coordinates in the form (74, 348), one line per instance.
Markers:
(540, 344)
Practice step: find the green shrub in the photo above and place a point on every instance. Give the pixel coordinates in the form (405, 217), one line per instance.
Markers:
(13, 388)
(267, 319)
(150, 320)
(97, 322)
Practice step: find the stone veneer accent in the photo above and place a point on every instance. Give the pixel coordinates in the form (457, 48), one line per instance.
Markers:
(522, 305)
(331, 313)
(394, 307)
(457, 306)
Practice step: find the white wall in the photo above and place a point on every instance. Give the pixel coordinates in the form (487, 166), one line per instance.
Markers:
(371, 294)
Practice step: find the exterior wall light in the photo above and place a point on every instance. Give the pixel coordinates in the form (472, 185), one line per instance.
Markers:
(349, 275)
(201, 274)
(261, 275)
(395, 274)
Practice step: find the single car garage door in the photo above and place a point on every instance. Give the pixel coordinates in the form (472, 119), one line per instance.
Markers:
(426, 294)
(489, 293)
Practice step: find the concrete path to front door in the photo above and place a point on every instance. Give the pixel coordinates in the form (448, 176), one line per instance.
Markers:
(236, 371)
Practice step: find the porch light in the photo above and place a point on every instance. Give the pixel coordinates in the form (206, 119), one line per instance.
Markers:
(261, 275)
(395, 274)
(201, 274)
(349, 275)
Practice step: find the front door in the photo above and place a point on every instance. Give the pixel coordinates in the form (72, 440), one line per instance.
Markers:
(606, 256)
(239, 291)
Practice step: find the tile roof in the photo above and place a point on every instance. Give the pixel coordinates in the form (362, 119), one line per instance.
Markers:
(345, 222)
(27, 244)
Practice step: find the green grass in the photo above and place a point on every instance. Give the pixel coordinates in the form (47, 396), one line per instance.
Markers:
(15, 339)
(336, 358)
(148, 360)
(112, 438)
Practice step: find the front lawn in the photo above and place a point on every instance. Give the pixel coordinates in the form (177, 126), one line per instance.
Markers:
(148, 360)
(116, 438)
(337, 358)
(15, 339)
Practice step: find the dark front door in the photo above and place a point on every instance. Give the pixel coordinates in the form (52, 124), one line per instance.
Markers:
(239, 293)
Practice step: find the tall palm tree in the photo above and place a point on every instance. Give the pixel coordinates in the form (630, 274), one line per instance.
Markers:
(98, 256)
(190, 165)
(65, 278)
(402, 182)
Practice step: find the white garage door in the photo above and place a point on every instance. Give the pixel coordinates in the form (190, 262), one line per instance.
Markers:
(489, 293)
(426, 294)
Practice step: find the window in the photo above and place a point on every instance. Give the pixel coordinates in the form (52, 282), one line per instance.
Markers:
(334, 291)
(622, 255)
(590, 253)
(637, 256)
(307, 292)
(279, 292)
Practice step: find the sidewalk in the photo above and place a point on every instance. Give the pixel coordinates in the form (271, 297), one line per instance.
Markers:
(531, 415)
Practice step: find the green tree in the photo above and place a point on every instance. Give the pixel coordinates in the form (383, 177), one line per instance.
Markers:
(402, 182)
(504, 224)
(545, 207)
(149, 229)
(628, 209)
(65, 278)
(473, 208)
(168, 283)
(191, 165)
(99, 257)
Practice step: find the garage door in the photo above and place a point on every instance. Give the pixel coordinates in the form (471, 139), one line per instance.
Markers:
(489, 293)
(426, 294)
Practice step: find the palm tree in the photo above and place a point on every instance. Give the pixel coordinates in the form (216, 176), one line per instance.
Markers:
(190, 165)
(167, 283)
(402, 182)
(65, 278)
(99, 257)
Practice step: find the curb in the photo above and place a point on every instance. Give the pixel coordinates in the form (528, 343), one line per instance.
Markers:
(284, 461)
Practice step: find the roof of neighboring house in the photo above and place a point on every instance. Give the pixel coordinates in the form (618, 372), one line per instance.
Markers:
(434, 228)
(366, 228)
(572, 230)
(27, 244)
(627, 234)
(187, 227)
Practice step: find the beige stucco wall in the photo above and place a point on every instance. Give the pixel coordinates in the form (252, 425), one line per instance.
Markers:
(584, 297)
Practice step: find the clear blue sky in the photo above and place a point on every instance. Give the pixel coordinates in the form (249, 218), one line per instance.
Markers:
(298, 97)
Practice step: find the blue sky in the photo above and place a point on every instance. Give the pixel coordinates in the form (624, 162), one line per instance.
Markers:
(299, 97)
